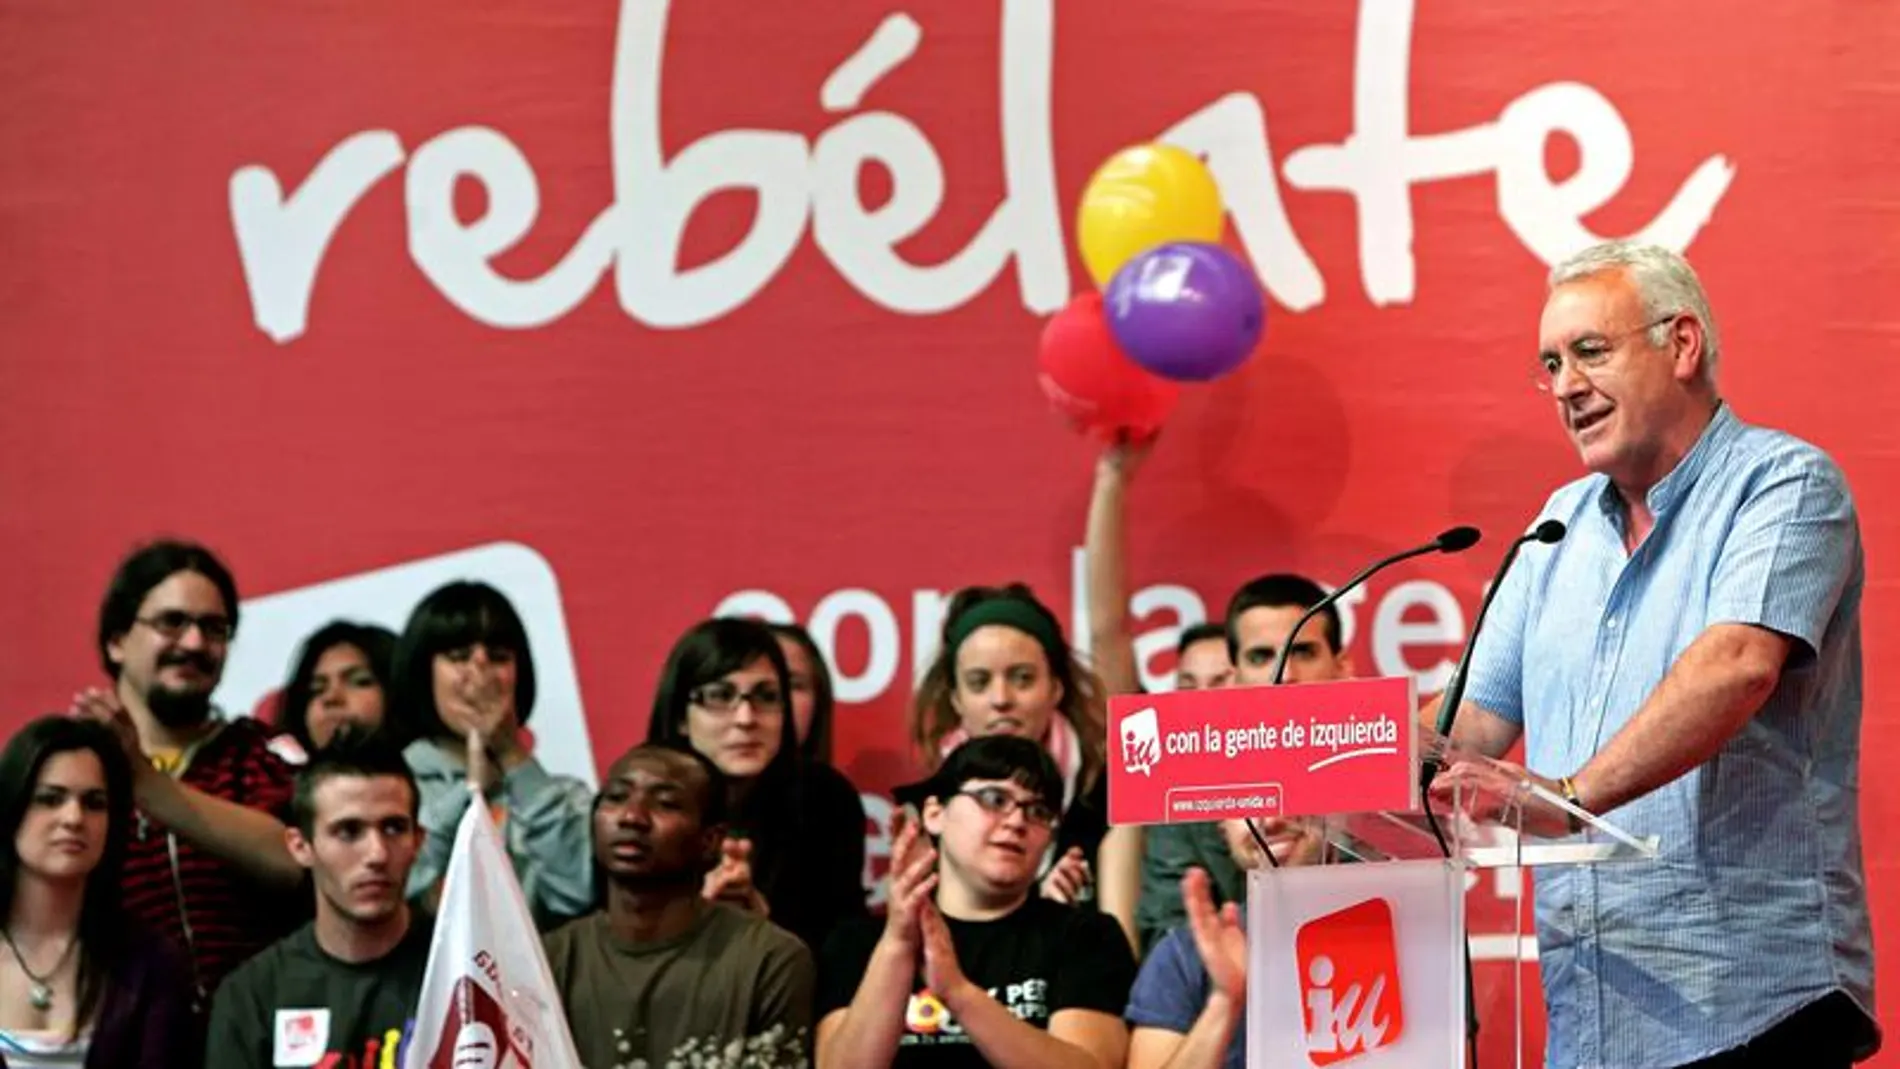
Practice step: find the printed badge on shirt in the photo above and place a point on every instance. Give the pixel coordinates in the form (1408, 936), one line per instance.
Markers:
(928, 1021)
(301, 1036)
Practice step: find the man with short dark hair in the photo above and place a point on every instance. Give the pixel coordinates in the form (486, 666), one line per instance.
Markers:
(1200, 658)
(207, 864)
(342, 990)
(663, 976)
(1259, 618)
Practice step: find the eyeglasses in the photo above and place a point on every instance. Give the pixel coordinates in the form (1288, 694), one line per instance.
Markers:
(723, 697)
(997, 801)
(1587, 354)
(174, 624)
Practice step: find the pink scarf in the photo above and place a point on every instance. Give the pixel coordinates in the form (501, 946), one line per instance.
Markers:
(1060, 741)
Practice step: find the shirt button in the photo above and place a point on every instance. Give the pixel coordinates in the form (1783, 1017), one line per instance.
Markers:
(1611, 624)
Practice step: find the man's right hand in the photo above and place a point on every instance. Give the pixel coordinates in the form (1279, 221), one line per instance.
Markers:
(103, 707)
(1218, 936)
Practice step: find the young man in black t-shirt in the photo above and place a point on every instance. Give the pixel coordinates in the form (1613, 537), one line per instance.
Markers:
(970, 966)
(342, 989)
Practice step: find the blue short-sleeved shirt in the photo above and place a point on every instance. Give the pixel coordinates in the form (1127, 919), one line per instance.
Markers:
(1757, 905)
(1171, 991)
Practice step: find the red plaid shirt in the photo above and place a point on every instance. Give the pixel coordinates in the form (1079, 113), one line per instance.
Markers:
(214, 913)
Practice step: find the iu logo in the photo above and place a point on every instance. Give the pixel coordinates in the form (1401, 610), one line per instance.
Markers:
(1141, 742)
(302, 1036)
(1349, 982)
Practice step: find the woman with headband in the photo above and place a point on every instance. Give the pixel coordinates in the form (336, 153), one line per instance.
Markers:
(1005, 668)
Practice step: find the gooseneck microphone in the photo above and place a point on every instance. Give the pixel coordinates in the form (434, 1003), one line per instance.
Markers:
(1548, 532)
(1456, 540)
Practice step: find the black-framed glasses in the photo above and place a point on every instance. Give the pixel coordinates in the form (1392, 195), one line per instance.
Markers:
(1001, 803)
(1587, 353)
(174, 624)
(722, 697)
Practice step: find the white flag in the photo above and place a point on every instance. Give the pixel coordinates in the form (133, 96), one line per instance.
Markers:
(488, 1000)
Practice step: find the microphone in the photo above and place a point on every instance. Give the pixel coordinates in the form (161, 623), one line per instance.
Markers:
(1456, 540)
(1548, 532)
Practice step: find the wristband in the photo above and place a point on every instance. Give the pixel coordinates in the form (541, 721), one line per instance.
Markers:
(1569, 788)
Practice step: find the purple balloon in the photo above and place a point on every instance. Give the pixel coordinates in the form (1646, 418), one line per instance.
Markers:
(1188, 311)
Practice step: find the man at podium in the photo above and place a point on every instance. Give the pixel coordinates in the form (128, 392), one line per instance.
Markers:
(1687, 662)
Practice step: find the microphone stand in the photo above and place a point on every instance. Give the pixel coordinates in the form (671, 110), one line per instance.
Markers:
(1546, 532)
(1455, 540)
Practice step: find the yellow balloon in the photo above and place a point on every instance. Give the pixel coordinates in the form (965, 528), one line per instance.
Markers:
(1145, 196)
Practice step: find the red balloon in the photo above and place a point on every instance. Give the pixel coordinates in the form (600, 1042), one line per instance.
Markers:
(1088, 379)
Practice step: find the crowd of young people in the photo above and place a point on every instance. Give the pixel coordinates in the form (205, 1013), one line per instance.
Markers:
(192, 887)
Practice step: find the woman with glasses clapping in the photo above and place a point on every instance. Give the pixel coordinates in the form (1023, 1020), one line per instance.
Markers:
(796, 853)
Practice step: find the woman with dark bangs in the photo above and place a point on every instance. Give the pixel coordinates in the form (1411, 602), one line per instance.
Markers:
(80, 985)
(796, 854)
(464, 687)
(341, 676)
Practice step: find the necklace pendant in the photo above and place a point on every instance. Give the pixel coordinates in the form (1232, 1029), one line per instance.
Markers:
(41, 996)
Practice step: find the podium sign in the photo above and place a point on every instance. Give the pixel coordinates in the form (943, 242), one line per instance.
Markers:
(1287, 751)
(1359, 966)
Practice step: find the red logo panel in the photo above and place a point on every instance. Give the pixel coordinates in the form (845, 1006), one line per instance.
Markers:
(1350, 997)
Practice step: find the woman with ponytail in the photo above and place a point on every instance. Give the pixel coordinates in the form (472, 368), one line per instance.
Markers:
(1005, 668)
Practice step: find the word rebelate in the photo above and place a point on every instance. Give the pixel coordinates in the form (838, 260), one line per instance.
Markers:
(811, 185)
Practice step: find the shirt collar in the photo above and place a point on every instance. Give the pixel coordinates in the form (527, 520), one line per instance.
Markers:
(1671, 489)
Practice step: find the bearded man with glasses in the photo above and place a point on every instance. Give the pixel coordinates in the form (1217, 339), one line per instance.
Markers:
(1687, 661)
(208, 864)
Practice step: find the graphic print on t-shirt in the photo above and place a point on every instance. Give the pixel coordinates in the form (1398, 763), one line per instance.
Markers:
(301, 1039)
(927, 1020)
(1041, 960)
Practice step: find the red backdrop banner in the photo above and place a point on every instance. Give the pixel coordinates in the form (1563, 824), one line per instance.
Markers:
(650, 309)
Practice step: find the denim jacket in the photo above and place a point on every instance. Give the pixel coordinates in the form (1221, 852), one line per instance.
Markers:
(546, 820)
